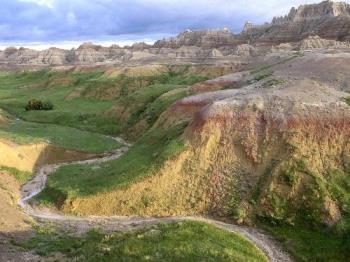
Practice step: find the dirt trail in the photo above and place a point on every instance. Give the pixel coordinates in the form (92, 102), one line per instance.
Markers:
(79, 225)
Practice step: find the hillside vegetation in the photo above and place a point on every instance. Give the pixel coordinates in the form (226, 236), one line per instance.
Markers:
(93, 101)
(74, 181)
(22, 132)
(84, 106)
(182, 241)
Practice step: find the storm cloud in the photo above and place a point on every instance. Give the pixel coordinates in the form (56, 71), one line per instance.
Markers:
(68, 20)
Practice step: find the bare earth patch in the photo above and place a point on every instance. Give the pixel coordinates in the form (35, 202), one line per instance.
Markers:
(14, 224)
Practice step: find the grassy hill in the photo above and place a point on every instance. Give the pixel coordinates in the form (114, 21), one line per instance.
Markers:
(92, 101)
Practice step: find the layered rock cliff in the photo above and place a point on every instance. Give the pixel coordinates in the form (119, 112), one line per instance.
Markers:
(87, 53)
(205, 39)
(328, 20)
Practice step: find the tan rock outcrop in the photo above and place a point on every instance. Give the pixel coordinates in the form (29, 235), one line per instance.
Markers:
(328, 19)
(29, 157)
(245, 50)
(316, 42)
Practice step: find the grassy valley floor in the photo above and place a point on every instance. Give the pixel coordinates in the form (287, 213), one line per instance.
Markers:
(181, 241)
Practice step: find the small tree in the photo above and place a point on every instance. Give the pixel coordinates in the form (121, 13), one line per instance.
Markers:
(34, 104)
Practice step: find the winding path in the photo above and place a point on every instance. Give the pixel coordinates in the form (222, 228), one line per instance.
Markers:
(266, 243)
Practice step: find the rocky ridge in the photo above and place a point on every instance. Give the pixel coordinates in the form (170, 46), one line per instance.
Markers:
(328, 19)
(206, 39)
(322, 25)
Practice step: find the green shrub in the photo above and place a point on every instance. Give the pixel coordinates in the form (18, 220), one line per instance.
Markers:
(290, 177)
(239, 214)
(262, 75)
(34, 104)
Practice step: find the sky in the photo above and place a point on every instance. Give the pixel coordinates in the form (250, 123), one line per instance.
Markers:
(67, 23)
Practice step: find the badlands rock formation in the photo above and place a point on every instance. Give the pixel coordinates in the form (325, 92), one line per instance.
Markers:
(245, 50)
(205, 39)
(328, 20)
(316, 42)
(86, 54)
(273, 146)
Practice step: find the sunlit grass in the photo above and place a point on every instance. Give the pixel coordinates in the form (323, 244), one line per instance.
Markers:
(182, 241)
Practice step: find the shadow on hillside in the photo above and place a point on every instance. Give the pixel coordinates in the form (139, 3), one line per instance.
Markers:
(57, 155)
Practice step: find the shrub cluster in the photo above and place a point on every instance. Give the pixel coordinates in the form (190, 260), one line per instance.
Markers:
(38, 105)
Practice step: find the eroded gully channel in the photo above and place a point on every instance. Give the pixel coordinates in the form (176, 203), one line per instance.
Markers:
(263, 241)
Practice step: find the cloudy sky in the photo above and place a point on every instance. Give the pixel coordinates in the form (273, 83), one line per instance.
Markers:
(41, 23)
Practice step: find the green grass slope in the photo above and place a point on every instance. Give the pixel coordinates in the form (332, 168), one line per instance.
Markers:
(182, 241)
(23, 132)
(308, 244)
(143, 159)
(81, 99)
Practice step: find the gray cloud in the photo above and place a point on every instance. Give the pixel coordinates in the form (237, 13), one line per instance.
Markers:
(57, 20)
